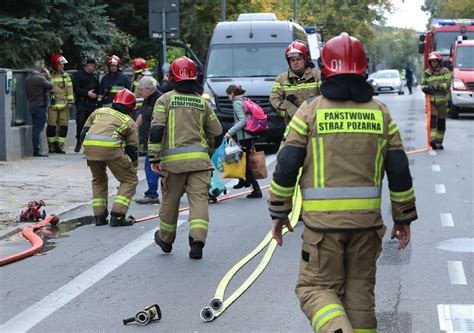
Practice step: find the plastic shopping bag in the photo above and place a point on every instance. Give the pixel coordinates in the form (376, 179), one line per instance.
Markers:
(233, 152)
(218, 156)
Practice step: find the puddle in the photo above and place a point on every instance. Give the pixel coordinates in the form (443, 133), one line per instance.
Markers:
(61, 230)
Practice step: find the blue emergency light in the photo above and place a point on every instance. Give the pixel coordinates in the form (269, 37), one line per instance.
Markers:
(310, 30)
(451, 22)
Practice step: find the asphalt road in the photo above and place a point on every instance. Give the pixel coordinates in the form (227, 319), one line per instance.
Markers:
(92, 277)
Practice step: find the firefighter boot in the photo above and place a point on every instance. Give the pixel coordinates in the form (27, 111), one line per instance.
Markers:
(165, 247)
(196, 249)
(100, 220)
(119, 220)
(59, 148)
(51, 148)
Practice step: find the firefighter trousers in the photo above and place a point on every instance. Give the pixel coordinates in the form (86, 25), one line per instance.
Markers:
(125, 173)
(56, 131)
(337, 279)
(438, 121)
(196, 186)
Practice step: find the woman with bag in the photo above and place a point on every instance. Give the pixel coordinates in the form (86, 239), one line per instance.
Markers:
(245, 139)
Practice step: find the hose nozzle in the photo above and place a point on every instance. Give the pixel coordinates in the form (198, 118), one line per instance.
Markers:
(145, 316)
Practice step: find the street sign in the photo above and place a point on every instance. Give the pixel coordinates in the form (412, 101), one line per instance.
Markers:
(167, 10)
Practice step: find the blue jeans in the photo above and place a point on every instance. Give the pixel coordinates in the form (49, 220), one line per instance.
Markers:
(152, 180)
(38, 115)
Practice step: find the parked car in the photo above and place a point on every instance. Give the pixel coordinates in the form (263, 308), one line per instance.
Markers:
(387, 81)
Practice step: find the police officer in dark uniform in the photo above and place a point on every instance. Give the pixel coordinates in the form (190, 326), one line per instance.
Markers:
(86, 86)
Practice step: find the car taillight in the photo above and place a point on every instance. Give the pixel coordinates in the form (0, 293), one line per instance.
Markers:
(459, 85)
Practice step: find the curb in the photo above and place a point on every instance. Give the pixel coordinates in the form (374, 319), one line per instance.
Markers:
(14, 230)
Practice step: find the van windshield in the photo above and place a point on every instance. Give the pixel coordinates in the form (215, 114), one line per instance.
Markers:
(246, 60)
(465, 57)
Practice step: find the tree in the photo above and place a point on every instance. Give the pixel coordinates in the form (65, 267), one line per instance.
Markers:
(32, 29)
(448, 9)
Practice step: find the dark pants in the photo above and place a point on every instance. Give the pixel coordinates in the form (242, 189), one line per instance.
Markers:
(247, 145)
(409, 86)
(82, 113)
(152, 180)
(38, 115)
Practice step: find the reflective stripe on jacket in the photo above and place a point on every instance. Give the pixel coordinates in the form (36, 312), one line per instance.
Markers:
(62, 92)
(440, 79)
(110, 131)
(181, 128)
(288, 83)
(344, 149)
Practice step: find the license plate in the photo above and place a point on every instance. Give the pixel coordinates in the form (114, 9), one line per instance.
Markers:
(385, 88)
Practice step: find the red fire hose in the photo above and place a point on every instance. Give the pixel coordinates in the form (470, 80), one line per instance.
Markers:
(35, 240)
(227, 197)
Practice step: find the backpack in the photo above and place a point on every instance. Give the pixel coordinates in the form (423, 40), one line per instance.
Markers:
(256, 119)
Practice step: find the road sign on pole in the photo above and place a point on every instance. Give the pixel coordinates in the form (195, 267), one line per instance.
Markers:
(163, 17)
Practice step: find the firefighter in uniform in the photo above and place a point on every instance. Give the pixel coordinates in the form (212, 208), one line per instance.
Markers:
(344, 141)
(139, 71)
(113, 82)
(62, 100)
(110, 140)
(300, 82)
(436, 83)
(183, 127)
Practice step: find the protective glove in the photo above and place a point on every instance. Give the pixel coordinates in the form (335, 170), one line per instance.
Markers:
(292, 99)
(428, 90)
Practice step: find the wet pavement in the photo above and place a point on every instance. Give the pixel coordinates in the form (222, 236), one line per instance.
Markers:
(63, 182)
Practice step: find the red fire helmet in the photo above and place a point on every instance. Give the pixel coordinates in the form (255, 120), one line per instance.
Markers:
(113, 60)
(183, 69)
(57, 59)
(343, 55)
(435, 55)
(297, 49)
(139, 65)
(126, 98)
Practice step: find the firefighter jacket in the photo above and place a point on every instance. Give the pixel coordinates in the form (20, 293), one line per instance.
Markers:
(344, 148)
(182, 126)
(440, 80)
(83, 83)
(289, 91)
(108, 133)
(136, 90)
(62, 92)
(110, 85)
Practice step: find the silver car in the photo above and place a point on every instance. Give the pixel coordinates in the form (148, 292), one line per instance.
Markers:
(387, 81)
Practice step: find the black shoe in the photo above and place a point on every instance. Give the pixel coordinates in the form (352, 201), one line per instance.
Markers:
(196, 250)
(60, 151)
(165, 247)
(240, 184)
(440, 146)
(51, 150)
(78, 147)
(38, 154)
(433, 145)
(148, 201)
(256, 194)
(120, 221)
(100, 220)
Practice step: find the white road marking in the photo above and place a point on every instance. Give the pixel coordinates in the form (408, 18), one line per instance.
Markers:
(435, 167)
(433, 152)
(440, 188)
(456, 272)
(40, 310)
(444, 315)
(447, 220)
(457, 245)
(456, 318)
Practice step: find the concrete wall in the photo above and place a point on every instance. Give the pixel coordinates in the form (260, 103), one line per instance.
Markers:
(16, 141)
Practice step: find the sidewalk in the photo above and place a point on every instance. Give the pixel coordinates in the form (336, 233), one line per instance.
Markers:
(63, 182)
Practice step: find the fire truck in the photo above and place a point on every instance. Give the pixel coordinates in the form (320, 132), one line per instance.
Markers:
(441, 35)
